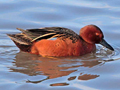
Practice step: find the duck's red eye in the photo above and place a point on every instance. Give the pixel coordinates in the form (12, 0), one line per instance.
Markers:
(97, 34)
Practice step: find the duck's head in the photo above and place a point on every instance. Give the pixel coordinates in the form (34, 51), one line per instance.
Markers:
(93, 35)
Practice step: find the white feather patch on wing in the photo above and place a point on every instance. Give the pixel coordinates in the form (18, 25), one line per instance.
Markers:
(42, 36)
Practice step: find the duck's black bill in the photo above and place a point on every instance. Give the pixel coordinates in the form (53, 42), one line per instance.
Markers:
(104, 43)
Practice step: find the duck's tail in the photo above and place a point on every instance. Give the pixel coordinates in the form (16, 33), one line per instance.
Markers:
(21, 41)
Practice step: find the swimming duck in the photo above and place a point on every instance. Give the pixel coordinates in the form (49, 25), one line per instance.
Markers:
(66, 42)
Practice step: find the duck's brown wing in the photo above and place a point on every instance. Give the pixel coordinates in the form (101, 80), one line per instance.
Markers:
(22, 41)
(50, 32)
(25, 39)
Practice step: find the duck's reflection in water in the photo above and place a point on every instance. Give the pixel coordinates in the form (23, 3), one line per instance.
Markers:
(54, 67)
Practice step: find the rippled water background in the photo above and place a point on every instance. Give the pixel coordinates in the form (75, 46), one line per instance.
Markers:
(23, 71)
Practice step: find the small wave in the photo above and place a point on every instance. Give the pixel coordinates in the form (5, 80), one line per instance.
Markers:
(106, 54)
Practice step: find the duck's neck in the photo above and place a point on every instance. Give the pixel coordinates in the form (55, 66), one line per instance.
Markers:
(89, 47)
